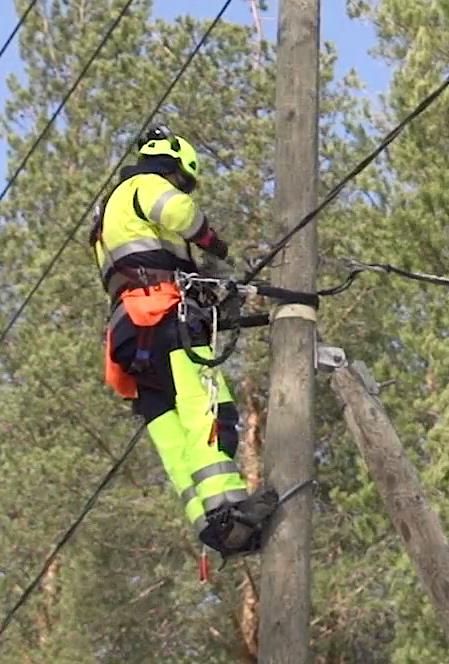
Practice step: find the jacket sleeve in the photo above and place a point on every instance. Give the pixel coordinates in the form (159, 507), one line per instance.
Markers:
(178, 212)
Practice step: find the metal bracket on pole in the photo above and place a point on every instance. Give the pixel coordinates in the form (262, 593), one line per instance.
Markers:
(328, 358)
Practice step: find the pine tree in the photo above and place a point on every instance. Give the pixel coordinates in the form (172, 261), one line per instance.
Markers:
(376, 610)
(125, 588)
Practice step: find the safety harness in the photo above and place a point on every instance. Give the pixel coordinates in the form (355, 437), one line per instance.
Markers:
(233, 294)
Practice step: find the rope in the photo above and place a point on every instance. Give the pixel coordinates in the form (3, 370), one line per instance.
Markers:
(64, 101)
(332, 195)
(92, 202)
(71, 530)
(19, 24)
(233, 324)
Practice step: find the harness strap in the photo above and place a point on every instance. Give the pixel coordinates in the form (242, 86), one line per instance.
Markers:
(137, 207)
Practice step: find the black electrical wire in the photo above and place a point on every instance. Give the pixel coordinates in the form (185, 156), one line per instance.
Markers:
(92, 202)
(416, 276)
(336, 290)
(356, 268)
(19, 24)
(71, 530)
(65, 99)
(133, 442)
(389, 138)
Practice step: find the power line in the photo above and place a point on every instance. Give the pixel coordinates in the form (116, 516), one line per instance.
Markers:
(81, 220)
(132, 443)
(70, 531)
(19, 24)
(65, 99)
(356, 267)
(332, 195)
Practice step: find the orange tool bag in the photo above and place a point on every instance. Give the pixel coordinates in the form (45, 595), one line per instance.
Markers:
(146, 307)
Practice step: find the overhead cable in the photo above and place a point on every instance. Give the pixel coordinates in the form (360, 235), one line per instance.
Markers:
(65, 99)
(332, 195)
(356, 267)
(17, 27)
(132, 443)
(106, 182)
(71, 530)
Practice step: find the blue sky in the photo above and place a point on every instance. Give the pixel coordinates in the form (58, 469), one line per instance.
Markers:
(352, 38)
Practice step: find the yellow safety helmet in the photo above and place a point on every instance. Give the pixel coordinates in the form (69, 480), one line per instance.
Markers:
(160, 141)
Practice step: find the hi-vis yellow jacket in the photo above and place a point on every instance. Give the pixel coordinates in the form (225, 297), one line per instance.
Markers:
(147, 223)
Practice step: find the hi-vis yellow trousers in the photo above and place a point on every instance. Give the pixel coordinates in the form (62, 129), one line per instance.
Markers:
(197, 452)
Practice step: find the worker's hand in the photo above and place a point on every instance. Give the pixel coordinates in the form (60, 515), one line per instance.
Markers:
(211, 243)
(218, 248)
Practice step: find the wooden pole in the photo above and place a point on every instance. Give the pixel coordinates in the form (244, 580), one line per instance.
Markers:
(397, 481)
(285, 586)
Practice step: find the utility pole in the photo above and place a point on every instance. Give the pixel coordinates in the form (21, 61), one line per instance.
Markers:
(285, 590)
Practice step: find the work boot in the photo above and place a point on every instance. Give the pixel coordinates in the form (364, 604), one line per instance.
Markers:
(257, 508)
(237, 527)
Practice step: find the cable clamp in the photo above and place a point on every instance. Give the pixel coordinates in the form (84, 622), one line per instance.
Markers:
(303, 311)
(329, 358)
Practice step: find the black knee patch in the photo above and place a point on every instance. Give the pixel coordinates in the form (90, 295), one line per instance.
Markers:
(227, 435)
(151, 404)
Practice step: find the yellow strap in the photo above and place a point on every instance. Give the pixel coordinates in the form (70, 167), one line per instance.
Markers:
(294, 311)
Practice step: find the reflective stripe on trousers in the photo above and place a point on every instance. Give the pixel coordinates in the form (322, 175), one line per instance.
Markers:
(167, 434)
(181, 437)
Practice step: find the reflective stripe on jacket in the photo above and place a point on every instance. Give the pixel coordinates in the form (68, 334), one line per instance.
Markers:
(147, 222)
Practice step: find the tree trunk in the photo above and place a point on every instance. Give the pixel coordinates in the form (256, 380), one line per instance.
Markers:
(397, 481)
(45, 621)
(251, 466)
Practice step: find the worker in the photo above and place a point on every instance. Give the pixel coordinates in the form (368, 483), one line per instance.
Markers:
(142, 236)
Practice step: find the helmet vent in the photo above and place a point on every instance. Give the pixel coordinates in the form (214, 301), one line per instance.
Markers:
(193, 165)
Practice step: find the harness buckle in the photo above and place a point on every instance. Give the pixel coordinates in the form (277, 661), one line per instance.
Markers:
(182, 307)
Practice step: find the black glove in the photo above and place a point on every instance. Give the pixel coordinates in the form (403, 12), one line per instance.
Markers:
(217, 247)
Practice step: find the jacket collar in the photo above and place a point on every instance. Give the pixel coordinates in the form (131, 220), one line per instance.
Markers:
(136, 169)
